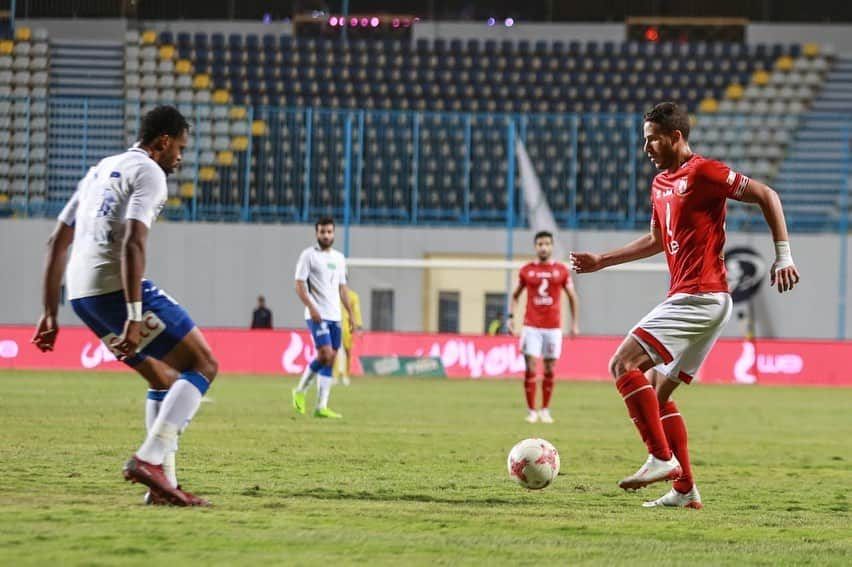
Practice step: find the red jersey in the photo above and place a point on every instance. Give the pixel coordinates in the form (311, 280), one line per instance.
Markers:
(544, 283)
(689, 207)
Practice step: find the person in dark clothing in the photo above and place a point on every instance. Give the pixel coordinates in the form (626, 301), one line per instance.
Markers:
(261, 318)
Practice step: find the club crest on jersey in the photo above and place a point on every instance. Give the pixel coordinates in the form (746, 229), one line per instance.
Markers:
(681, 186)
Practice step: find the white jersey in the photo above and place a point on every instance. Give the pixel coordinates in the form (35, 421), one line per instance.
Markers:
(324, 273)
(125, 186)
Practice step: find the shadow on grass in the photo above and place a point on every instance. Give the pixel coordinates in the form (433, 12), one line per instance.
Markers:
(362, 495)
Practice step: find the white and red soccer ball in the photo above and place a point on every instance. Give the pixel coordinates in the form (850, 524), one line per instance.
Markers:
(533, 463)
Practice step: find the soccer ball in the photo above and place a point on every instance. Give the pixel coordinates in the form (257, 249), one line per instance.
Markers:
(533, 463)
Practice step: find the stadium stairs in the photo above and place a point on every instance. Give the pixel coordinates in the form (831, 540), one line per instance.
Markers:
(86, 79)
(813, 174)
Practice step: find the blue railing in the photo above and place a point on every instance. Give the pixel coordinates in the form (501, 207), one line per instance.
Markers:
(270, 164)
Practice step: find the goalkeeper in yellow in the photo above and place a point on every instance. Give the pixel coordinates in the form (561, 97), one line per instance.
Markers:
(343, 365)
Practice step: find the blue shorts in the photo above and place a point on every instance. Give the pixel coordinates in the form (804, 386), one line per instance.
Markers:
(164, 322)
(326, 333)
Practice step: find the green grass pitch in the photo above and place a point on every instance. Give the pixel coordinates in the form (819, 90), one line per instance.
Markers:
(415, 474)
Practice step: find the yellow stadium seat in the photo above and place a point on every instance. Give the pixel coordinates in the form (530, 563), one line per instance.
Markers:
(237, 113)
(183, 67)
(4, 198)
(708, 105)
(167, 52)
(174, 202)
(225, 158)
(206, 174)
(258, 128)
(23, 34)
(201, 82)
(784, 63)
(221, 96)
(149, 37)
(187, 189)
(239, 144)
(760, 78)
(7, 47)
(810, 49)
(734, 92)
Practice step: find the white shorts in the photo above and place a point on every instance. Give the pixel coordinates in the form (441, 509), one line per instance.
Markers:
(541, 343)
(679, 332)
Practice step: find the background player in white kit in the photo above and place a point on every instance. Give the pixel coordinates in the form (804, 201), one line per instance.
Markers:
(321, 286)
(107, 221)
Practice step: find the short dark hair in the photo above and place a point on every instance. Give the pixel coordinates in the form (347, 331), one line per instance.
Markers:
(670, 117)
(542, 234)
(162, 120)
(323, 221)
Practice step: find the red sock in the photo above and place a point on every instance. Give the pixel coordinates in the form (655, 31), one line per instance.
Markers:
(546, 389)
(642, 405)
(529, 388)
(675, 429)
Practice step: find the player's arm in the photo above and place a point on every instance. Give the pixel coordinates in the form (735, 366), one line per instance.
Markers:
(304, 296)
(148, 190)
(54, 269)
(513, 305)
(643, 247)
(783, 273)
(132, 269)
(573, 307)
(344, 299)
(303, 271)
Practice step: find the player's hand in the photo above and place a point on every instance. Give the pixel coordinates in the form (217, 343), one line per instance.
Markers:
(45, 334)
(351, 326)
(586, 262)
(785, 278)
(315, 315)
(125, 346)
(510, 326)
(575, 331)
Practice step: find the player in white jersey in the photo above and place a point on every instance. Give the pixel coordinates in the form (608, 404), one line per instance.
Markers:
(107, 221)
(321, 286)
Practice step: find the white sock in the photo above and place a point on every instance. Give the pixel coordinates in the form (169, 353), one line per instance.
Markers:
(178, 408)
(152, 409)
(307, 378)
(324, 386)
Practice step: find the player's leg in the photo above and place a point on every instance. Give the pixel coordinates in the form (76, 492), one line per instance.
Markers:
(171, 337)
(710, 313)
(552, 351)
(326, 356)
(321, 337)
(347, 358)
(547, 383)
(683, 493)
(531, 347)
(627, 367)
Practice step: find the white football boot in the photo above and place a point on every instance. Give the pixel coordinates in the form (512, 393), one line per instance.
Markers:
(677, 499)
(654, 470)
(544, 416)
(531, 417)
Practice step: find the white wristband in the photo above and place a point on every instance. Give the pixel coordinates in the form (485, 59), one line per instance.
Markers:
(134, 311)
(783, 257)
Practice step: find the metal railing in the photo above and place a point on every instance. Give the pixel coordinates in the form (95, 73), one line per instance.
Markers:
(270, 164)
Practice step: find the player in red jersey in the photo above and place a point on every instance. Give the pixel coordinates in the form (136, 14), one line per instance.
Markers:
(667, 347)
(544, 280)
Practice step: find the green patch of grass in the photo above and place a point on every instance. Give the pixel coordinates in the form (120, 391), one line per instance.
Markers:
(415, 475)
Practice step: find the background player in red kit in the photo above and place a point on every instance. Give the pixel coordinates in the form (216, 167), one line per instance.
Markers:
(544, 280)
(667, 347)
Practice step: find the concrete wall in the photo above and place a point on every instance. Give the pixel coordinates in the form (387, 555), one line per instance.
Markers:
(217, 270)
(839, 35)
